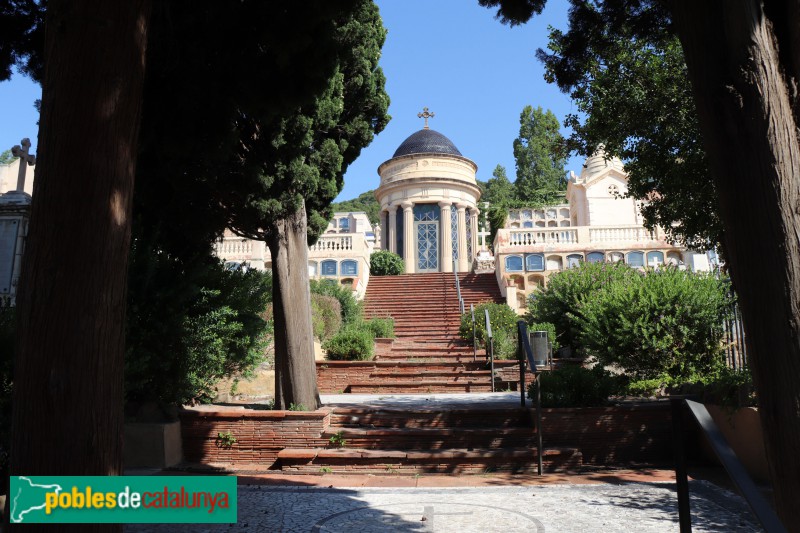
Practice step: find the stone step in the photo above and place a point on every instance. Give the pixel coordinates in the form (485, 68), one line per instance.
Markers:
(477, 416)
(414, 386)
(433, 438)
(434, 375)
(451, 461)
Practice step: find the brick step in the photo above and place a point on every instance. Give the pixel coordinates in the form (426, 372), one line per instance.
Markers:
(434, 375)
(410, 386)
(453, 461)
(425, 358)
(433, 438)
(477, 416)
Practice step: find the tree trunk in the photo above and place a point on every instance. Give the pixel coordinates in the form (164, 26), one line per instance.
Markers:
(68, 372)
(295, 370)
(744, 86)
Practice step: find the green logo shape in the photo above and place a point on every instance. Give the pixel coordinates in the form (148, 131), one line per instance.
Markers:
(122, 499)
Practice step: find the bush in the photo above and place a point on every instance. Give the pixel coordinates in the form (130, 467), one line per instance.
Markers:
(504, 328)
(350, 344)
(190, 324)
(386, 263)
(326, 316)
(665, 321)
(382, 328)
(559, 302)
(351, 310)
(575, 386)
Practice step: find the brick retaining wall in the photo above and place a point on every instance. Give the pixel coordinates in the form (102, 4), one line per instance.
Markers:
(259, 435)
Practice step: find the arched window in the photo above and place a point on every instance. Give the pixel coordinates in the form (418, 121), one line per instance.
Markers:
(328, 267)
(527, 224)
(595, 257)
(673, 258)
(312, 269)
(513, 263)
(655, 259)
(344, 224)
(349, 268)
(574, 260)
(616, 257)
(534, 262)
(635, 259)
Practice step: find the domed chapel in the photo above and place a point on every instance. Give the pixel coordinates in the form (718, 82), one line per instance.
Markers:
(428, 197)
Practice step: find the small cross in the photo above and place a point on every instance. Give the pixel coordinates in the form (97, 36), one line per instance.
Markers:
(22, 153)
(426, 115)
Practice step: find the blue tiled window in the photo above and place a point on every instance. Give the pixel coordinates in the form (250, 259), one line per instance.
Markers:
(513, 263)
(534, 262)
(635, 259)
(328, 268)
(349, 268)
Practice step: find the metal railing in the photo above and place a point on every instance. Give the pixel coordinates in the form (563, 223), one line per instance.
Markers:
(489, 344)
(458, 288)
(525, 354)
(769, 520)
(474, 338)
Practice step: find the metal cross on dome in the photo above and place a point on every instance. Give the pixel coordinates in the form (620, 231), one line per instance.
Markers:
(426, 115)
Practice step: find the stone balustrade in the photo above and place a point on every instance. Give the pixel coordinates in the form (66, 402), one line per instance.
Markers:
(531, 236)
(511, 239)
(620, 234)
(231, 247)
(330, 243)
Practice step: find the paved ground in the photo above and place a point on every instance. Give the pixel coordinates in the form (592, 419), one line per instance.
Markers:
(642, 507)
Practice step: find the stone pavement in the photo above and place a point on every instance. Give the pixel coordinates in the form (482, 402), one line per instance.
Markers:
(640, 507)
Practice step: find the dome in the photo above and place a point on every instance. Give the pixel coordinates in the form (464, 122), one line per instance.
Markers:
(427, 141)
(598, 163)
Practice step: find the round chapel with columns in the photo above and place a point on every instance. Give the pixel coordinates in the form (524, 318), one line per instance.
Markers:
(428, 197)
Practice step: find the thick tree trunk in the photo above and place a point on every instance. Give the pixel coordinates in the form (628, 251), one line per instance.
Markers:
(68, 372)
(295, 370)
(745, 93)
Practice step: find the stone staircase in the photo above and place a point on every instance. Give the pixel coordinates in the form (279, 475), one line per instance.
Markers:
(427, 354)
(381, 440)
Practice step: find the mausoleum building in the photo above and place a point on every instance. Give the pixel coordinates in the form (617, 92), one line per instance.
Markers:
(429, 204)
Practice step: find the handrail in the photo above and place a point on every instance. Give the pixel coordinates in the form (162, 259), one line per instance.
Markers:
(474, 338)
(489, 344)
(526, 353)
(458, 288)
(769, 520)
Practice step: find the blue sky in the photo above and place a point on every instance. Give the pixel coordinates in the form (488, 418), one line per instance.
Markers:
(452, 56)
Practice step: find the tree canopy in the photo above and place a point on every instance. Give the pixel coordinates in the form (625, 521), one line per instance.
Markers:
(540, 157)
(630, 90)
(498, 190)
(365, 202)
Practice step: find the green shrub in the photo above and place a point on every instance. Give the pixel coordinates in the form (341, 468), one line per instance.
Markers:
(351, 309)
(575, 386)
(559, 302)
(504, 328)
(666, 321)
(352, 343)
(190, 324)
(386, 263)
(326, 316)
(382, 328)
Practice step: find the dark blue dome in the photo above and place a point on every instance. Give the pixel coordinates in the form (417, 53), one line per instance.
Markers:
(427, 141)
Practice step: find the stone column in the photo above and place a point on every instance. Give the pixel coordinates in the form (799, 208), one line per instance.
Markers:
(473, 213)
(462, 238)
(446, 241)
(392, 234)
(409, 239)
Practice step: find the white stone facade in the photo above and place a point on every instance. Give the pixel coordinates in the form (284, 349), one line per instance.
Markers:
(597, 224)
(341, 254)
